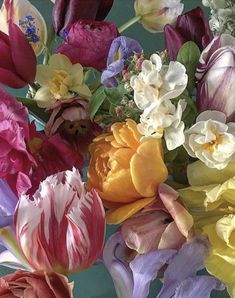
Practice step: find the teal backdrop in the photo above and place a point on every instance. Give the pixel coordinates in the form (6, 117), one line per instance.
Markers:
(96, 282)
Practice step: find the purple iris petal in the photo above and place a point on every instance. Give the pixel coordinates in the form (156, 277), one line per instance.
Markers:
(184, 264)
(198, 286)
(121, 49)
(145, 269)
(114, 260)
(8, 203)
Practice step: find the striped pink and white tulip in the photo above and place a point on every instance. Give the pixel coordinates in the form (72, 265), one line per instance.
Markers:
(62, 228)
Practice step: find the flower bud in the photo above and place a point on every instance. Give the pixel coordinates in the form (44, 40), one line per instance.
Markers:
(155, 14)
(216, 75)
(67, 12)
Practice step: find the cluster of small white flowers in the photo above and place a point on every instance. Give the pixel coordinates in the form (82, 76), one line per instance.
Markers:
(154, 88)
(222, 18)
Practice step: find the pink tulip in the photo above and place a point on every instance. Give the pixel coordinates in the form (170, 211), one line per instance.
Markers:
(62, 228)
(18, 61)
(35, 284)
(164, 224)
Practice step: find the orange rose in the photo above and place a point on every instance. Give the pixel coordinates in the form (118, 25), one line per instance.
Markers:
(125, 171)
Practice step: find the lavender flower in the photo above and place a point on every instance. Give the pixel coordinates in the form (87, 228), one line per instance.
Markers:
(121, 49)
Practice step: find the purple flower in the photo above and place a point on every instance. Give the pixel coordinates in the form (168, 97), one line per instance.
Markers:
(7, 204)
(132, 278)
(121, 49)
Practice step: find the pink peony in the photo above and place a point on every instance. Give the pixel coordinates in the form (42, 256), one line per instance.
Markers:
(88, 42)
(35, 284)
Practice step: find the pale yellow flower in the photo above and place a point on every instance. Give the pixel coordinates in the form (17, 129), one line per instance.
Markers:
(59, 80)
(211, 201)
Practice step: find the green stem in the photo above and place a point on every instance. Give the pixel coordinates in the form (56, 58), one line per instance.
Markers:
(129, 23)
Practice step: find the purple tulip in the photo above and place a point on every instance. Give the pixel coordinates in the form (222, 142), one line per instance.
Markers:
(18, 61)
(216, 75)
(190, 26)
(132, 278)
(121, 49)
(67, 12)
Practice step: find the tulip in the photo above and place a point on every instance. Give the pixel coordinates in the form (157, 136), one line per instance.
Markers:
(155, 14)
(62, 228)
(173, 225)
(125, 172)
(88, 42)
(67, 12)
(193, 26)
(215, 75)
(28, 19)
(18, 61)
(35, 284)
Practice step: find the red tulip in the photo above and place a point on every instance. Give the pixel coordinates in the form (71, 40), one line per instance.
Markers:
(67, 12)
(18, 61)
(190, 26)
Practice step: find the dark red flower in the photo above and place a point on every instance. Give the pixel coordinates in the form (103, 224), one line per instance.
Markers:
(18, 60)
(193, 26)
(88, 43)
(67, 12)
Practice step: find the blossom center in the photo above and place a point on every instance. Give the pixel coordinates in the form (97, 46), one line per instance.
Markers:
(210, 146)
(60, 84)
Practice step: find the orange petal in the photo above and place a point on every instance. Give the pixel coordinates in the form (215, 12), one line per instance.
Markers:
(118, 215)
(147, 167)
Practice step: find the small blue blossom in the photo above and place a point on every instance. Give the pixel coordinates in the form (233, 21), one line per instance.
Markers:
(29, 28)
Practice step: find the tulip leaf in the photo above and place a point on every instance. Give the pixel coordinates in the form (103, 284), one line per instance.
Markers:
(115, 95)
(189, 55)
(96, 101)
(34, 110)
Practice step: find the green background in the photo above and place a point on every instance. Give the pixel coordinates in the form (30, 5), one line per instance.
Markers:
(96, 282)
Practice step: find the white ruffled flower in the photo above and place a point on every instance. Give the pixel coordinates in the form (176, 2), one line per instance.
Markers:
(211, 140)
(164, 119)
(158, 82)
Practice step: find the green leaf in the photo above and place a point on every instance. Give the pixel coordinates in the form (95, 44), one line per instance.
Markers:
(34, 110)
(189, 55)
(96, 101)
(115, 95)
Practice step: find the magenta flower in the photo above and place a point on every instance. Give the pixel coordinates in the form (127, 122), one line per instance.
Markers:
(193, 26)
(62, 228)
(15, 160)
(18, 61)
(216, 74)
(88, 42)
(67, 12)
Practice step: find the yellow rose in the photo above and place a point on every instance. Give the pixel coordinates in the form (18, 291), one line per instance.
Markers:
(125, 171)
(211, 201)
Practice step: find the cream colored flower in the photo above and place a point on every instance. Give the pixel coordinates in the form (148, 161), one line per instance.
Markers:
(211, 140)
(155, 14)
(30, 21)
(164, 119)
(158, 82)
(60, 80)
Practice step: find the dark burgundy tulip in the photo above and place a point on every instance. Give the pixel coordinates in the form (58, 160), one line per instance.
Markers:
(193, 26)
(67, 12)
(18, 60)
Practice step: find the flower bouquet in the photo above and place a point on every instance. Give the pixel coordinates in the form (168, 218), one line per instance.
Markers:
(108, 134)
